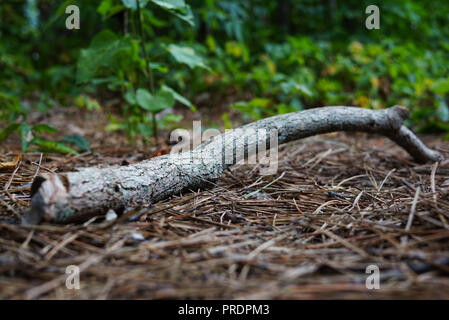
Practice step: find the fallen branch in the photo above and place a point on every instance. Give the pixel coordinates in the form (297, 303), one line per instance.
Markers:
(77, 196)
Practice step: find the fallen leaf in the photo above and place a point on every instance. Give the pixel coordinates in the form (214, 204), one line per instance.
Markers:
(10, 165)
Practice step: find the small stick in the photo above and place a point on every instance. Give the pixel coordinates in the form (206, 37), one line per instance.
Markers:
(12, 176)
(38, 167)
(264, 187)
(432, 182)
(412, 210)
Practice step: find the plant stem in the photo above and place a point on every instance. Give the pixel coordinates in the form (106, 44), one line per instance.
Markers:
(134, 36)
(154, 126)
(142, 43)
(147, 65)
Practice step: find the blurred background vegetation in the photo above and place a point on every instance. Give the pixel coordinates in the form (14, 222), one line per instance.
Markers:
(260, 57)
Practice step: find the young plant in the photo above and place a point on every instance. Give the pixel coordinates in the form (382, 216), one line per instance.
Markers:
(15, 114)
(122, 61)
(32, 136)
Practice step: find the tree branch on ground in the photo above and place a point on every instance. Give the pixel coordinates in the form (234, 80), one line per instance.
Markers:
(88, 192)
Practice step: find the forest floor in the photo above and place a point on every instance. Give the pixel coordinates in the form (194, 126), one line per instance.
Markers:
(337, 204)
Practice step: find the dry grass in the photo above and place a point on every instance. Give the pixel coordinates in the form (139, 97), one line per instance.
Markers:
(340, 204)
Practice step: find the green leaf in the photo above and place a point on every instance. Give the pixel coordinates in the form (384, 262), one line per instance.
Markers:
(164, 100)
(441, 86)
(170, 4)
(108, 8)
(104, 7)
(144, 98)
(178, 97)
(49, 146)
(106, 50)
(78, 141)
(8, 130)
(159, 67)
(178, 8)
(145, 129)
(39, 128)
(26, 136)
(130, 97)
(154, 103)
(186, 55)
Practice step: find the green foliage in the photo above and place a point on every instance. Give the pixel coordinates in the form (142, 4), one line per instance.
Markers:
(53, 146)
(256, 109)
(121, 62)
(78, 141)
(8, 130)
(186, 55)
(154, 103)
(278, 56)
(31, 136)
(178, 8)
(441, 86)
(178, 97)
(12, 111)
(106, 50)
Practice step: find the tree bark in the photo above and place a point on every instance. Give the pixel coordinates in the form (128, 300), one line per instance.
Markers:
(80, 195)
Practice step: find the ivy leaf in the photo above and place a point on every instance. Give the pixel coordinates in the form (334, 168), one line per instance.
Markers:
(39, 128)
(78, 141)
(187, 55)
(8, 130)
(48, 146)
(154, 103)
(178, 97)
